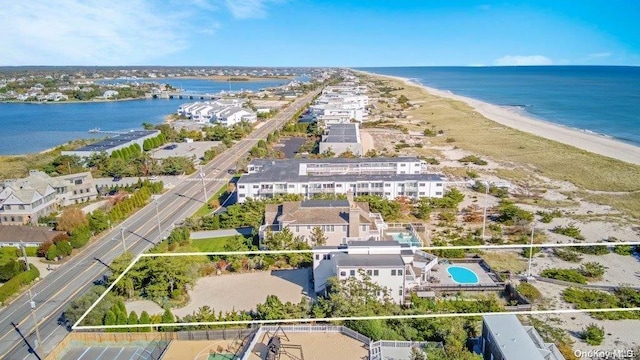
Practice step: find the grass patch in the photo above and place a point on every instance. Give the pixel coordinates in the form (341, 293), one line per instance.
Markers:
(627, 203)
(552, 159)
(503, 261)
(213, 244)
(517, 175)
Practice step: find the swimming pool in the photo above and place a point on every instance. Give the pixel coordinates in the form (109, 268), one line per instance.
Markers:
(405, 238)
(462, 275)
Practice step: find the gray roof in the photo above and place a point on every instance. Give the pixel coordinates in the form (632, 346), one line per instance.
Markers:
(341, 133)
(324, 203)
(287, 171)
(366, 261)
(513, 340)
(28, 234)
(117, 140)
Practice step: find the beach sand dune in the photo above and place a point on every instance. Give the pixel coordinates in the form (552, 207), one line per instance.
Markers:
(584, 140)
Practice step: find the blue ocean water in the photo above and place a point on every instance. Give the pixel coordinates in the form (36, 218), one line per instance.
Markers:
(27, 128)
(602, 99)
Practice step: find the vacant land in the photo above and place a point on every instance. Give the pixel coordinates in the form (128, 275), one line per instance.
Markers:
(212, 244)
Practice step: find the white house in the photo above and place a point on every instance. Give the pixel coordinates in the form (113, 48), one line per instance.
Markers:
(386, 177)
(234, 115)
(397, 267)
(109, 94)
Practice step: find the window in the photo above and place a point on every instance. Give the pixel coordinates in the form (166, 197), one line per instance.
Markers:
(291, 186)
(352, 272)
(240, 186)
(421, 193)
(256, 186)
(297, 229)
(308, 227)
(21, 207)
(422, 184)
(317, 256)
(387, 185)
(344, 228)
(7, 207)
(343, 273)
(77, 181)
(438, 193)
(369, 272)
(339, 185)
(400, 292)
(326, 256)
(439, 184)
(399, 272)
(376, 272)
(403, 165)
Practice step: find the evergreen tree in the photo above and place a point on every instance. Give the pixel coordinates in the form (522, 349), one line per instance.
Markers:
(133, 320)
(167, 318)
(144, 319)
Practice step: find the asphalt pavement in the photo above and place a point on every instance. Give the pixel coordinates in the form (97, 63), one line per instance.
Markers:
(140, 232)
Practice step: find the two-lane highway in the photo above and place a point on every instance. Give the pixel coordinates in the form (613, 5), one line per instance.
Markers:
(141, 231)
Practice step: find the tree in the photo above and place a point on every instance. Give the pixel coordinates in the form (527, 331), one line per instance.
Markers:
(167, 318)
(71, 219)
(64, 248)
(144, 319)
(110, 318)
(317, 236)
(98, 220)
(52, 253)
(133, 320)
(417, 354)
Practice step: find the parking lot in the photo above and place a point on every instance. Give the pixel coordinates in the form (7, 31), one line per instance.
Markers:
(195, 149)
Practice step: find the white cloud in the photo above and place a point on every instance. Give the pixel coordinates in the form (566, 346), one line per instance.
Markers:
(248, 9)
(599, 55)
(520, 60)
(76, 32)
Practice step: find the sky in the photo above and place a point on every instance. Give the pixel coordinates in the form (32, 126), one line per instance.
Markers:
(320, 33)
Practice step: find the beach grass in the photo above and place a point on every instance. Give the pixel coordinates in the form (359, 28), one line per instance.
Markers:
(628, 203)
(503, 261)
(473, 132)
(212, 244)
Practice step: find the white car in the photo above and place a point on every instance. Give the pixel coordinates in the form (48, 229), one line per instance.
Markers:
(152, 178)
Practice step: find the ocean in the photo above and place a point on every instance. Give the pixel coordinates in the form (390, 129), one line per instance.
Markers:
(600, 99)
(27, 128)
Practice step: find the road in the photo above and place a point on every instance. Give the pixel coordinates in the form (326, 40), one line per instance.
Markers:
(141, 231)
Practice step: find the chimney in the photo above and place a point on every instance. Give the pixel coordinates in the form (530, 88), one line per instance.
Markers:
(350, 197)
(354, 221)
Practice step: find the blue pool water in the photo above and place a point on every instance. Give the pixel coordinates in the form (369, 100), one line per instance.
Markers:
(405, 238)
(462, 275)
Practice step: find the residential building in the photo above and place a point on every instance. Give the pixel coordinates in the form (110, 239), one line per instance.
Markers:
(340, 220)
(386, 177)
(339, 138)
(25, 200)
(505, 338)
(110, 94)
(114, 143)
(397, 267)
(31, 236)
(234, 115)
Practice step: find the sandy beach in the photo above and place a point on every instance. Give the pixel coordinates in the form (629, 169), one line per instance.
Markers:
(590, 142)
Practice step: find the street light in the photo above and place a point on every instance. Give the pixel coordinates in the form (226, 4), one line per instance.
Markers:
(32, 303)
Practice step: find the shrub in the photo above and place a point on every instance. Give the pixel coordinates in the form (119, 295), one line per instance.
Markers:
(80, 237)
(567, 255)
(510, 214)
(472, 159)
(570, 230)
(593, 334)
(570, 275)
(548, 216)
(529, 291)
(593, 250)
(592, 270)
(625, 250)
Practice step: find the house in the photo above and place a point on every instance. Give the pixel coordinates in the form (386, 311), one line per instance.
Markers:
(340, 220)
(399, 268)
(114, 143)
(234, 115)
(25, 200)
(386, 177)
(505, 338)
(32, 236)
(109, 94)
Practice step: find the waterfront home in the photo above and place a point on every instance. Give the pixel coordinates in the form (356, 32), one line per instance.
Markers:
(109, 94)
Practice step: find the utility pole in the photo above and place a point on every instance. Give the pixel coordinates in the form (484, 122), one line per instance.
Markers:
(158, 218)
(32, 304)
(204, 188)
(533, 227)
(124, 246)
(484, 212)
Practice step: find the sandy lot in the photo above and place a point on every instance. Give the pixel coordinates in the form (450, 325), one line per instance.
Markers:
(367, 141)
(238, 291)
(318, 346)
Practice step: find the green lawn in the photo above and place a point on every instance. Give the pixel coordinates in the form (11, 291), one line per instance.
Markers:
(7, 254)
(212, 244)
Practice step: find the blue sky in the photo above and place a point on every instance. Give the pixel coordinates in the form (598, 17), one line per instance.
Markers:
(320, 33)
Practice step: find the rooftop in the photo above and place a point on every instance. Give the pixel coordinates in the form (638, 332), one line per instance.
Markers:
(513, 339)
(117, 140)
(28, 234)
(342, 133)
(375, 260)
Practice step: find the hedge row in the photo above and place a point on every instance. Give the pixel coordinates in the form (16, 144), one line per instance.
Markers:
(13, 286)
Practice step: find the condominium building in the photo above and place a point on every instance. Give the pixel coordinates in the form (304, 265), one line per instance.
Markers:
(340, 220)
(340, 138)
(25, 200)
(386, 177)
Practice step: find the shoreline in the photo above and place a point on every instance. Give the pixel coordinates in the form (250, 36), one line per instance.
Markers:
(66, 102)
(587, 140)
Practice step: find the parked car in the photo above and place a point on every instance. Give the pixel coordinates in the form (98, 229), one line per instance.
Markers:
(153, 178)
(171, 147)
(117, 178)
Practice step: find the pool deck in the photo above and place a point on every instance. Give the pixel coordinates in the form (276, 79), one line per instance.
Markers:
(440, 272)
